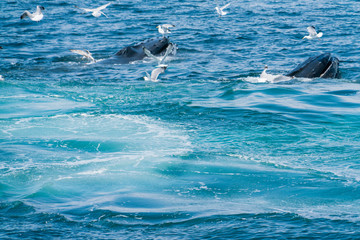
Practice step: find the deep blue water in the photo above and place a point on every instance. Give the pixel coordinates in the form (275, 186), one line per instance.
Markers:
(92, 151)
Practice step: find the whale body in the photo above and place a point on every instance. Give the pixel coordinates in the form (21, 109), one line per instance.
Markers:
(322, 66)
(136, 52)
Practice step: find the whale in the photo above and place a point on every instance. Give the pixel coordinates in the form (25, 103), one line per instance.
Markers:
(320, 66)
(136, 52)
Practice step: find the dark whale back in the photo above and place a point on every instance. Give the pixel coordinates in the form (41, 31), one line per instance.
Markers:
(322, 66)
(135, 52)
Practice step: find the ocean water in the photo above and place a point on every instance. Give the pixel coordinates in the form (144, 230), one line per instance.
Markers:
(92, 151)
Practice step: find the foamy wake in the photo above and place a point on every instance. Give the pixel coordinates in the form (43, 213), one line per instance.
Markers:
(269, 78)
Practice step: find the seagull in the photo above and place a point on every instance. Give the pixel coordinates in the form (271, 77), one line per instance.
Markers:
(220, 11)
(155, 73)
(96, 12)
(313, 34)
(164, 28)
(160, 59)
(1, 78)
(36, 16)
(85, 54)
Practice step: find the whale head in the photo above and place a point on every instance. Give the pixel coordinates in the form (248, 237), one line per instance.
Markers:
(136, 52)
(322, 66)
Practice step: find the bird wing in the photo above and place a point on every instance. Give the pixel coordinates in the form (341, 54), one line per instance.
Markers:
(103, 6)
(38, 10)
(222, 8)
(320, 34)
(149, 54)
(311, 30)
(218, 10)
(168, 25)
(161, 29)
(103, 14)
(86, 54)
(87, 9)
(26, 13)
(147, 77)
(155, 73)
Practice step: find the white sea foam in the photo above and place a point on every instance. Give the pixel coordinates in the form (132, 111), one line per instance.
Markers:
(93, 172)
(342, 172)
(269, 78)
(86, 139)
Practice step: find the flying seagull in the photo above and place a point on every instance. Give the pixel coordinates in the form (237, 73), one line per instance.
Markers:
(160, 59)
(164, 28)
(96, 12)
(220, 10)
(36, 16)
(155, 73)
(85, 54)
(313, 34)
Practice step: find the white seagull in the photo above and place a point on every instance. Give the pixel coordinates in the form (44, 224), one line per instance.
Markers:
(160, 59)
(96, 12)
(155, 73)
(220, 10)
(36, 16)
(85, 54)
(313, 34)
(164, 28)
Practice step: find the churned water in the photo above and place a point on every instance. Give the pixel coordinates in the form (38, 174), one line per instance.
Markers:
(92, 151)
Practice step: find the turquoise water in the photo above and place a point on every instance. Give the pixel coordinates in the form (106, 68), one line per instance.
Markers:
(92, 151)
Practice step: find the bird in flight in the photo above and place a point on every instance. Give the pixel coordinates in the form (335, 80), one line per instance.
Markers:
(155, 73)
(36, 16)
(313, 34)
(220, 10)
(96, 12)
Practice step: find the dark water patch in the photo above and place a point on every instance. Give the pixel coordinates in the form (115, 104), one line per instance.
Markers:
(282, 91)
(262, 226)
(233, 94)
(344, 92)
(327, 101)
(245, 226)
(15, 209)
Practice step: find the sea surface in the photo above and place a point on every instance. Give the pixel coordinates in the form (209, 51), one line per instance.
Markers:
(92, 151)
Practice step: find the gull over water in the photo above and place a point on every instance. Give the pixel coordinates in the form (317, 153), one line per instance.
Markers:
(36, 16)
(96, 12)
(313, 34)
(155, 73)
(220, 10)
